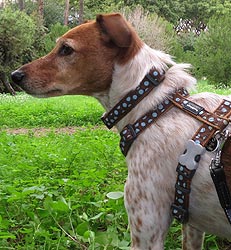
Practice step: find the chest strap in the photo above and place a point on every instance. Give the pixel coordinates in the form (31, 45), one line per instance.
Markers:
(211, 121)
(132, 131)
(189, 160)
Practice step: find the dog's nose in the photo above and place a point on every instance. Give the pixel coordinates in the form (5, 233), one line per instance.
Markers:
(17, 76)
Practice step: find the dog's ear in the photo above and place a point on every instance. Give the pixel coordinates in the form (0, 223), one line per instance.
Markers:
(115, 29)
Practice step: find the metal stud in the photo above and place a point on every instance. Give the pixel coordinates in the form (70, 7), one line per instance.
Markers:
(211, 119)
(146, 83)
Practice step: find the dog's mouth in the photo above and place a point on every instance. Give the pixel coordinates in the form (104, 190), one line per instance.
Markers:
(42, 93)
(50, 93)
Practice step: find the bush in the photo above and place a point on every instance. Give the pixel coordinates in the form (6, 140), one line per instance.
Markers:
(16, 34)
(56, 31)
(212, 57)
(53, 13)
(183, 48)
(154, 30)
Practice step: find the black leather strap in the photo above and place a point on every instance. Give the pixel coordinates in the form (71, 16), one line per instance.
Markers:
(223, 192)
(129, 101)
(132, 131)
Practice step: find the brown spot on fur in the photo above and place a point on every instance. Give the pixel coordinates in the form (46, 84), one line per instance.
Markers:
(139, 224)
(135, 241)
(153, 238)
(136, 201)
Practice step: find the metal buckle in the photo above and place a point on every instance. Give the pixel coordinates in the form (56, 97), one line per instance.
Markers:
(218, 140)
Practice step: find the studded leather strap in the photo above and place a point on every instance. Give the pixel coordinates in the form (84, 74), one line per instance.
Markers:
(211, 119)
(202, 137)
(213, 122)
(132, 131)
(150, 81)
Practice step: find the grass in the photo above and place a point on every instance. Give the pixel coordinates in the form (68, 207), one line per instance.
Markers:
(64, 191)
(203, 86)
(28, 112)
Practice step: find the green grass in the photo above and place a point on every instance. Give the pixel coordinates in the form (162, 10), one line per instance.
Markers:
(24, 111)
(203, 86)
(55, 188)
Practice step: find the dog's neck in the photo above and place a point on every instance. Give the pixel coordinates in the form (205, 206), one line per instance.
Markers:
(127, 77)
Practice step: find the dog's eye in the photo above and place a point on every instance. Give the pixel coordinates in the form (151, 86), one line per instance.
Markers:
(65, 50)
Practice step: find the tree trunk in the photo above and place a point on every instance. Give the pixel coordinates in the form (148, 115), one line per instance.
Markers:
(80, 11)
(66, 12)
(41, 9)
(7, 87)
(21, 4)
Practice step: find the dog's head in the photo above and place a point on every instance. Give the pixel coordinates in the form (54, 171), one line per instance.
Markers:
(83, 59)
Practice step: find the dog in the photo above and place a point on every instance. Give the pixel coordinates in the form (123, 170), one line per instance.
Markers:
(106, 59)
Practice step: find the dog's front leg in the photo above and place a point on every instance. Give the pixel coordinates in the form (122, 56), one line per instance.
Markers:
(148, 210)
(192, 238)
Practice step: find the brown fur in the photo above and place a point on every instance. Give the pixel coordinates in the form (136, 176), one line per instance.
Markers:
(90, 67)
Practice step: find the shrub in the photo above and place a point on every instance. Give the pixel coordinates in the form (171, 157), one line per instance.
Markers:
(16, 34)
(53, 13)
(183, 48)
(56, 31)
(154, 30)
(212, 56)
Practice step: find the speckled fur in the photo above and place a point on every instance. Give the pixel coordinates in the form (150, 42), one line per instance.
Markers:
(108, 60)
(153, 158)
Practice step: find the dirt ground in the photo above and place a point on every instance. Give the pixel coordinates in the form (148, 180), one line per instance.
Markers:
(44, 131)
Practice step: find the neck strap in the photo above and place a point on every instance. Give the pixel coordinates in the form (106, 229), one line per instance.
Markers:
(129, 101)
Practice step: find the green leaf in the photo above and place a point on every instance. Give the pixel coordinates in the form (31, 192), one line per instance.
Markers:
(89, 235)
(6, 235)
(97, 216)
(60, 206)
(82, 228)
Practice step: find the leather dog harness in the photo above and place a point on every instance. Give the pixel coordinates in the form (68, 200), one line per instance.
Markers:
(205, 138)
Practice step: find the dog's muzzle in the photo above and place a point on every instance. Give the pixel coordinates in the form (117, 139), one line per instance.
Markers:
(17, 76)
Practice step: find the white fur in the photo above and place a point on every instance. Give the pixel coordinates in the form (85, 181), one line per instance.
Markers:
(153, 157)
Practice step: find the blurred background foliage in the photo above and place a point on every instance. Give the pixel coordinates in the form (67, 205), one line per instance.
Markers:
(196, 31)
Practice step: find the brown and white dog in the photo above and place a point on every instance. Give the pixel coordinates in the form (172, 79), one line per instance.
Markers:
(106, 59)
